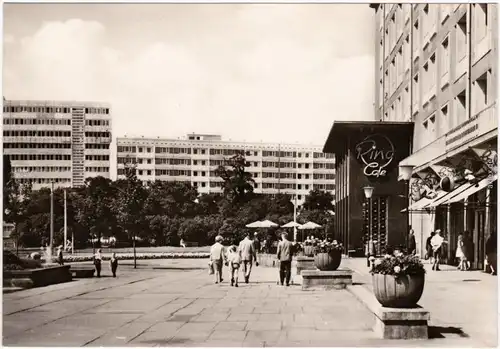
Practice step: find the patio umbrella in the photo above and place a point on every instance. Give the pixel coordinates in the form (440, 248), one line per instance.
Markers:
(309, 225)
(268, 224)
(291, 224)
(256, 224)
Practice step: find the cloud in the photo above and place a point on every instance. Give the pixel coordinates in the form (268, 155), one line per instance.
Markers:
(272, 73)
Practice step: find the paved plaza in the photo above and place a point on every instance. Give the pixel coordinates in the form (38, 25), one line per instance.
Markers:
(175, 303)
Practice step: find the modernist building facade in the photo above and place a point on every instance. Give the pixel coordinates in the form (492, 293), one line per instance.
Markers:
(437, 66)
(276, 168)
(57, 142)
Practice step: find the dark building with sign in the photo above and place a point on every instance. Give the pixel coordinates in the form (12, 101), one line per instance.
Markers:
(367, 154)
(443, 76)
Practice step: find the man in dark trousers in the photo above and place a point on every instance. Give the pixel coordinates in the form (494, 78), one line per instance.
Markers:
(284, 255)
(411, 245)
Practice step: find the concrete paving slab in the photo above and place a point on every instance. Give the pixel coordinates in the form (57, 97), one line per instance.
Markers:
(165, 308)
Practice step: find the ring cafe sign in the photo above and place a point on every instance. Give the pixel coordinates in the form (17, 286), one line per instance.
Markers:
(376, 152)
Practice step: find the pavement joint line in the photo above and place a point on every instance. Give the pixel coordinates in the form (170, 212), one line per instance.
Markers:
(71, 314)
(145, 330)
(131, 321)
(76, 295)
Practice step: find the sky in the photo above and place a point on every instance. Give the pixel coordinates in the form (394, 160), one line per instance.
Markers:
(250, 72)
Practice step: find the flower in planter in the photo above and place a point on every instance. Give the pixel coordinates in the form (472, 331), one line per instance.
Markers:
(398, 266)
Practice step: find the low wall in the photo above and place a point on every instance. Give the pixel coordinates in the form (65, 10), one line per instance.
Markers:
(267, 260)
(39, 277)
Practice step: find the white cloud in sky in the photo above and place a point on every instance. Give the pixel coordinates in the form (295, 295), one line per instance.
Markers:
(271, 73)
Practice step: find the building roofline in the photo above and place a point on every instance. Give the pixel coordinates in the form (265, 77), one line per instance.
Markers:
(27, 102)
(341, 128)
(224, 142)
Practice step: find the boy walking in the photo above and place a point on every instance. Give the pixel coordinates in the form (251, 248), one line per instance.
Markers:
(234, 260)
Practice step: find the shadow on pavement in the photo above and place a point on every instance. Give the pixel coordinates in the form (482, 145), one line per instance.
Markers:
(179, 268)
(439, 331)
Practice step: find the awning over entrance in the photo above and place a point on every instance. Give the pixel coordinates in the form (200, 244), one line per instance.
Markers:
(418, 205)
(448, 195)
(471, 190)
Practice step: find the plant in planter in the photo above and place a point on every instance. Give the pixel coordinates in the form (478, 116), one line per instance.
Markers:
(308, 247)
(398, 282)
(327, 254)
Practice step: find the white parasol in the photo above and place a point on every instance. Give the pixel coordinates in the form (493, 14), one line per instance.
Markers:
(256, 224)
(309, 225)
(291, 224)
(268, 224)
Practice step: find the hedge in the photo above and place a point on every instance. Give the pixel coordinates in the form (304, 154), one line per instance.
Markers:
(130, 256)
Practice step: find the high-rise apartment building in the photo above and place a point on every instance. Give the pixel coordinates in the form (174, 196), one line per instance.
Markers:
(437, 66)
(292, 169)
(59, 142)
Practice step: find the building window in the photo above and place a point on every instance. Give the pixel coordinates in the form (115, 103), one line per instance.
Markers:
(460, 108)
(480, 93)
(461, 35)
(445, 57)
(480, 21)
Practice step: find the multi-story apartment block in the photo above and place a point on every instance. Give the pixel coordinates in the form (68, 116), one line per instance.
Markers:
(437, 66)
(59, 142)
(292, 169)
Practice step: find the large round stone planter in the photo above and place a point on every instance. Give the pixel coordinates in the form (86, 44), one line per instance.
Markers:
(328, 261)
(309, 251)
(402, 292)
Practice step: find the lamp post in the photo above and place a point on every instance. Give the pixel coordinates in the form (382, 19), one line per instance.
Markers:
(51, 218)
(295, 218)
(368, 194)
(405, 172)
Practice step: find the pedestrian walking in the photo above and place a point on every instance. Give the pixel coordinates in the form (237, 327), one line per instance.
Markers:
(256, 242)
(491, 253)
(460, 254)
(234, 261)
(437, 242)
(428, 247)
(284, 255)
(98, 262)
(218, 258)
(60, 258)
(468, 249)
(248, 255)
(412, 244)
(113, 262)
(369, 252)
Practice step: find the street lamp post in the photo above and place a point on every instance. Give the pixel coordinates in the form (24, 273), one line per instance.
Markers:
(295, 219)
(368, 194)
(405, 172)
(51, 218)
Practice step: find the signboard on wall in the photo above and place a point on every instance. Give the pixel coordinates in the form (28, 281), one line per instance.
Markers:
(376, 153)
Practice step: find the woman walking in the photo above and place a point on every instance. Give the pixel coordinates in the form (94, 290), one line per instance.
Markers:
(113, 262)
(460, 253)
(98, 262)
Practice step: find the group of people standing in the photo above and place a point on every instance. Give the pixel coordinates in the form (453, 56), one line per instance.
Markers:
(244, 255)
(113, 263)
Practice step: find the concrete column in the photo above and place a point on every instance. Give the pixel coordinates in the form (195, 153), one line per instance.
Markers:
(448, 231)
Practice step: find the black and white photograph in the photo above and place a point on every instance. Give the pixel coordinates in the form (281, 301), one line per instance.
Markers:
(260, 174)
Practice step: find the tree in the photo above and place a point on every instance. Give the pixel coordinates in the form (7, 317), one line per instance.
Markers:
(95, 206)
(129, 204)
(238, 183)
(319, 200)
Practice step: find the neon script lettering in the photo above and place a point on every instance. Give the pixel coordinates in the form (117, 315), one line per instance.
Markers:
(376, 152)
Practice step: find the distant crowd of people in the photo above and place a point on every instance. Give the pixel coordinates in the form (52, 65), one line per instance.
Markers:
(434, 247)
